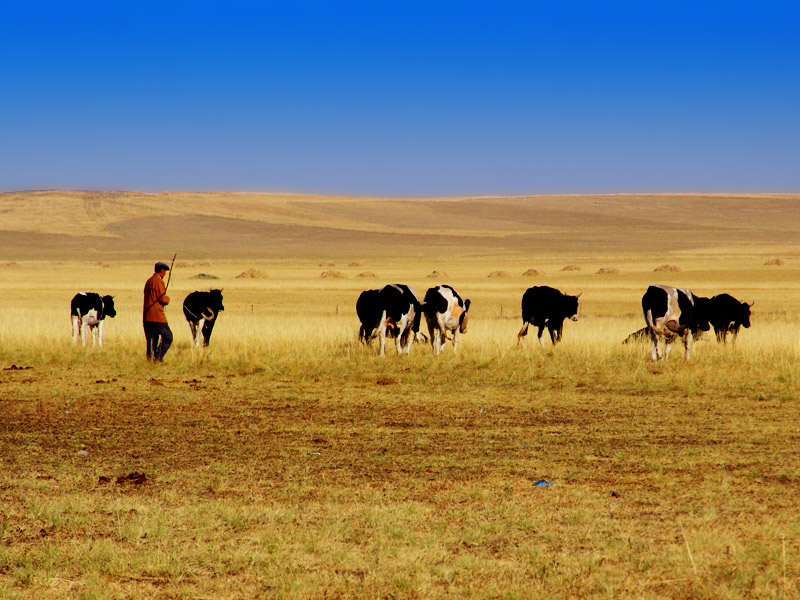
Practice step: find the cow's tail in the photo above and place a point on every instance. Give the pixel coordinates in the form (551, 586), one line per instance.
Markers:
(523, 332)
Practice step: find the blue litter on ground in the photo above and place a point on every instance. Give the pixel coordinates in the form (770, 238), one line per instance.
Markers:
(542, 483)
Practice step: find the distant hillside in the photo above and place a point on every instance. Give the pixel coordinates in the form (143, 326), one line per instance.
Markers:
(77, 224)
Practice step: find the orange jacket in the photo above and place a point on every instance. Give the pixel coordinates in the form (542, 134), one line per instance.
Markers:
(155, 299)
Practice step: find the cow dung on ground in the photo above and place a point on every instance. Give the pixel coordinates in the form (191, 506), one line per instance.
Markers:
(367, 275)
(436, 275)
(533, 273)
(775, 262)
(204, 276)
(571, 268)
(667, 269)
(332, 275)
(607, 271)
(252, 274)
(499, 274)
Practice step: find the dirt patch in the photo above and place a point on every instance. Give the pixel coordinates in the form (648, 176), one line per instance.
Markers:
(252, 274)
(204, 276)
(332, 275)
(667, 269)
(499, 274)
(135, 478)
(533, 273)
(775, 262)
(607, 271)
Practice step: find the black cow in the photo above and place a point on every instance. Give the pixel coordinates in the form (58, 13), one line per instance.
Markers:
(670, 312)
(445, 311)
(543, 306)
(726, 314)
(88, 309)
(205, 307)
(367, 311)
(397, 313)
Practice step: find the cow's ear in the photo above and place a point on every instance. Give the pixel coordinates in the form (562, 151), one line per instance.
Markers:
(467, 303)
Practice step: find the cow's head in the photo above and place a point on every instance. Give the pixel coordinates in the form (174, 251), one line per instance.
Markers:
(215, 300)
(744, 314)
(108, 306)
(464, 318)
(571, 306)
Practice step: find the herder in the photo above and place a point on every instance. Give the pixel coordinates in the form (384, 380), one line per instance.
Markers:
(156, 330)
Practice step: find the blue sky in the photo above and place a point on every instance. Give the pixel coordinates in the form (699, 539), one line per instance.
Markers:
(400, 98)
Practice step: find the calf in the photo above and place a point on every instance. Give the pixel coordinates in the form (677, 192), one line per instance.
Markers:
(543, 306)
(670, 312)
(397, 313)
(445, 311)
(89, 310)
(201, 310)
(726, 314)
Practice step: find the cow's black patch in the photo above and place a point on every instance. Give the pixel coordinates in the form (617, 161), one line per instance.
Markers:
(203, 306)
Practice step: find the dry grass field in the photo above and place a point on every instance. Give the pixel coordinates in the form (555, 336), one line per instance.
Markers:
(289, 461)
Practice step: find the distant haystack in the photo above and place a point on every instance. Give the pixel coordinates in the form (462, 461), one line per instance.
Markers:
(499, 274)
(436, 275)
(187, 265)
(367, 275)
(332, 275)
(354, 264)
(667, 269)
(607, 271)
(532, 273)
(571, 268)
(327, 264)
(8, 264)
(204, 276)
(252, 274)
(775, 262)
(104, 265)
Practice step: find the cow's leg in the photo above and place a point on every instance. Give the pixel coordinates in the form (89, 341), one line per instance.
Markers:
(687, 342)
(84, 327)
(555, 334)
(76, 328)
(456, 338)
(720, 333)
(382, 333)
(100, 332)
(541, 330)
(198, 334)
(734, 333)
(432, 332)
(208, 327)
(655, 353)
(193, 331)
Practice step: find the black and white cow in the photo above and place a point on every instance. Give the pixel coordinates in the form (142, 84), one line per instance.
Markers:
(89, 310)
(543, 306)
(397, 313)
(670, 312)
(445, 312)
(201, 310)
(726, 314)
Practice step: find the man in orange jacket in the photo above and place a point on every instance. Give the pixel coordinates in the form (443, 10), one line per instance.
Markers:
(156, 330)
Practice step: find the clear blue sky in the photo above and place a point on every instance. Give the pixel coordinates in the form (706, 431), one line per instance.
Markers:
(400, 98)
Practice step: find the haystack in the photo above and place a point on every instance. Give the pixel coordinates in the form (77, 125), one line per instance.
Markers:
(775, 262)
(354, 264)
(667, 269)
(532, 273)
(436, 275)
(204, 276)
(499, 274)
(332, 275)
(252, 274)
(608, 271)
(367, 275)
(571, 268)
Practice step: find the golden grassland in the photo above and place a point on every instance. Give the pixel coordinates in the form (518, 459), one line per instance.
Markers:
(289, 461)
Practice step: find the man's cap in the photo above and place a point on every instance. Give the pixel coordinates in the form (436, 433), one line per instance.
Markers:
(161, 266)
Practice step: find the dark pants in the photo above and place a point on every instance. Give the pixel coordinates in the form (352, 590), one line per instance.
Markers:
(159, 339)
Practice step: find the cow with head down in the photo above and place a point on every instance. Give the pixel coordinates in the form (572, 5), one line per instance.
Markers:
(445, 312)
(392, 311)
(670, 312)
(201, 310)
(726, 315)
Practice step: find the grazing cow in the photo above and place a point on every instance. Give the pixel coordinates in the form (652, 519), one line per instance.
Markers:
(445, 311)
(397, 313)
(726, 314)
(88, 309)
(201, 310)
(543, 306)
(367, 311)
(670, 312)
(643, 335)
